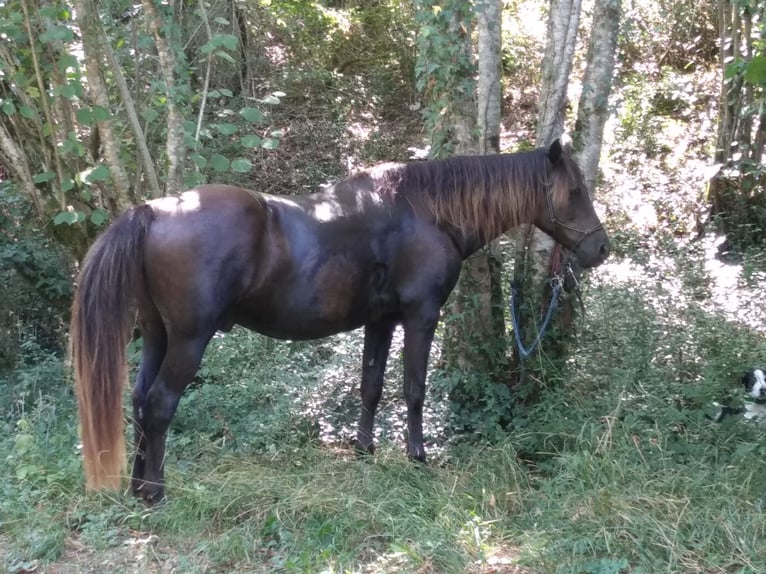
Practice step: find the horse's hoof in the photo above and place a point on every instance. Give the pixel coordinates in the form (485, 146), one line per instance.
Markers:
(151, 494)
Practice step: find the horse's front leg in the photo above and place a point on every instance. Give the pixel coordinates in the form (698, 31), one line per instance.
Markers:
(178, 368)
(418, 334)
(377, 342)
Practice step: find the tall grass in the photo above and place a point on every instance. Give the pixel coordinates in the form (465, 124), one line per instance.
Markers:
(615, 469)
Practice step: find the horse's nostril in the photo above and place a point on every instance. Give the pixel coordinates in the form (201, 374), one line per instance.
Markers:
(604, 250)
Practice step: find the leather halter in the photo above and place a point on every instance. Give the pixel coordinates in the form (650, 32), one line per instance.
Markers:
(556, 221)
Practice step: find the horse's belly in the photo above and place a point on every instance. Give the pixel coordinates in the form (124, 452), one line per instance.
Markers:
(295, 328)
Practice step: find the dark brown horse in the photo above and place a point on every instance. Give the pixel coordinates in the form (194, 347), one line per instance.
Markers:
(381, 248)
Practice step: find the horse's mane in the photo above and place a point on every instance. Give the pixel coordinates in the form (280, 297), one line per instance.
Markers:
(481, 195)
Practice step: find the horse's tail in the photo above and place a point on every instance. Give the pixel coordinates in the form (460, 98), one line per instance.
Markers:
(111, 281)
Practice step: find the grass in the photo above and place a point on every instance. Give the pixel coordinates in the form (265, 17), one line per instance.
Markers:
(615, 469)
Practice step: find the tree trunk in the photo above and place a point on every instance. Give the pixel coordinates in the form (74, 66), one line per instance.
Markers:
(144, 154)
(87, 20)
(175, 146)
(475, 343)
(15, 159)
(533, 247)
(593, 111)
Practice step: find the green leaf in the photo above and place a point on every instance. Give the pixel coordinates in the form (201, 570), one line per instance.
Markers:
(68, 217)
(99, 216)
(226, 129)
(241, 165)
(199, 160)
(68, 91)
(227, 93)
(150, 115)
(44, 177)
(99, 173)
(252, 114)
(8, 108)
(270, 143)
(229, 41)
(101, 114)
(28, 112)
(67, 184)
(84, 116)
(221, 21)
(219, 162)
(65, 62)
(251, 141)
(214, 94)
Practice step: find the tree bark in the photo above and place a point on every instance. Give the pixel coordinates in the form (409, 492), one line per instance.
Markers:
(144, 154)
(16, 160)
(87, 20)
(175, 146)
(475, 343)
(593, 111)
(533, 247)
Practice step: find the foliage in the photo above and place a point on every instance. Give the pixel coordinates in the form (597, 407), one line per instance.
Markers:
(36, 282)
(445, 70)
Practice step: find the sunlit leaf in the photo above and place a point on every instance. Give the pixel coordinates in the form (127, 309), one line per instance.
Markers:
(270, 143)
(755, 70)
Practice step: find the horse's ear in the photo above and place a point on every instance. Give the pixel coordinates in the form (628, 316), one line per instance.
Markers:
(555, 152)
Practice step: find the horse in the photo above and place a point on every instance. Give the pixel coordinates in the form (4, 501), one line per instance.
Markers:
(379, 249)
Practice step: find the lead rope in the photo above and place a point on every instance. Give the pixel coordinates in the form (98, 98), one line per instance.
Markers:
(556, 284)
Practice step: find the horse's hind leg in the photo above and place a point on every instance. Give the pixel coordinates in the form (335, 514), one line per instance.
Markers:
(377, 341)
(182, 359)
(153, 352)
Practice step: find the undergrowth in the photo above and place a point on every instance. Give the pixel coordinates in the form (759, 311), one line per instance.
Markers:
(617, 467)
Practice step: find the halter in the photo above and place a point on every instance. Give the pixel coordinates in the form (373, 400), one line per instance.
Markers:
(556, 221)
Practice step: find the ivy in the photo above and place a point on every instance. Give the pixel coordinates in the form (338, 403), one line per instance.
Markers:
(445, 71)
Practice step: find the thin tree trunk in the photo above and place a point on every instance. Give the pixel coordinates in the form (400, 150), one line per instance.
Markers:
(131, 113)
(475, 345)
(533, 247)
(593, 110)
(15, 158)
(45, 104)
(175, 146)
(563, 21)
(87, 20)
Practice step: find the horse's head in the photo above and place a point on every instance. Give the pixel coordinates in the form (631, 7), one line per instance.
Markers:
(567, 214)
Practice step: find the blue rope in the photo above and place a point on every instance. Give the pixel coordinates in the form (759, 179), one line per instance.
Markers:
(523, 350)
